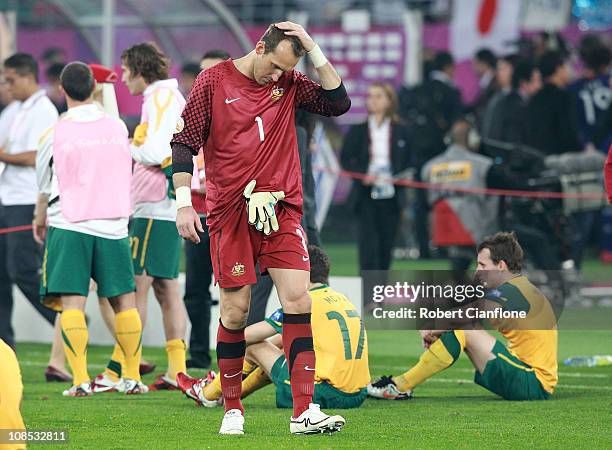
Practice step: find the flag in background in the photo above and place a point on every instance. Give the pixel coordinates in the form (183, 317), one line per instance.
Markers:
(494, 24)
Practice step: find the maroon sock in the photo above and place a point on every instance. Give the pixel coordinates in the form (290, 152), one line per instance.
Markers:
(230, 357)
(299, 351)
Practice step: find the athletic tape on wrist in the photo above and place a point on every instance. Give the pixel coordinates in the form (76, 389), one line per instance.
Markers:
(317, 57)
(183, 197)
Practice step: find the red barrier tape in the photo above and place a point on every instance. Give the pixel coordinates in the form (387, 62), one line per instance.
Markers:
(15, 229)
(422, 185)
(485, 191)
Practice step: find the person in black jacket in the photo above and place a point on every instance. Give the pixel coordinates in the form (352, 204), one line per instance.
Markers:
(260, 291)
(429, 110)
(508, 117)
(551, 119)
(379, 148)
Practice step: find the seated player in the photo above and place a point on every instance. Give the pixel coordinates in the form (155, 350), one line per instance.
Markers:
(11, 389)
(340, 345)
(525, 368)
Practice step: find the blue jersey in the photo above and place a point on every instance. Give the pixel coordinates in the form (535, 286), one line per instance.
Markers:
(593, 97)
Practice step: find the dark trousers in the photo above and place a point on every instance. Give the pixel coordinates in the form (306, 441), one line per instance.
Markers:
(260, 291)
(198, 301)
(378, 221)
(20, 260)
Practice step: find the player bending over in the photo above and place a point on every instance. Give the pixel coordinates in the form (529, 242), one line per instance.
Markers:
(84, 169)
(242, 113)
(340, 345)
(525, 369)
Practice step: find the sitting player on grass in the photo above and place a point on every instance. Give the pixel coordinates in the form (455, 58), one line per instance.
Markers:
(340, 345)
(525, 369)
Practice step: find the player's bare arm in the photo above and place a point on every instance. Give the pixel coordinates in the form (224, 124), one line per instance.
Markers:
(187, 220)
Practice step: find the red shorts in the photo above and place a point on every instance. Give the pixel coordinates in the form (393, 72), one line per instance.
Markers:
(237, 246)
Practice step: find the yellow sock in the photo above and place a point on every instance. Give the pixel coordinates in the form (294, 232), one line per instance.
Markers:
(440, 355)
(117, 361)
(75, 335)
(128, 330)
(176, 350)
(256, 380)
(247, 368)
(213, 390)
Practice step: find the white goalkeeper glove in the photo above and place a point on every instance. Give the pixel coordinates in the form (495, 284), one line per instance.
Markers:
(261, 208)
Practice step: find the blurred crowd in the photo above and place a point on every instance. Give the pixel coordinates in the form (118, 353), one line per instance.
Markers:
(541, 121)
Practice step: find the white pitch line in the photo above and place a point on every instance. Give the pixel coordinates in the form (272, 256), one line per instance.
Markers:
(40, 364)
(561, 374)
(562, 386)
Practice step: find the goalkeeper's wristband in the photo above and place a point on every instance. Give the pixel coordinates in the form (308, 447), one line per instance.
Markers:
(317, 57)
(183, 197)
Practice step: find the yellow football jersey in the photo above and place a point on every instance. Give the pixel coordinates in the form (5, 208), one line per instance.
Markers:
(340, 341)
(533, 339)
(11, 389)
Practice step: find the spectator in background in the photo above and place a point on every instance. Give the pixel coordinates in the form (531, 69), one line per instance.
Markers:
(189, 72)
(592, 92)
(53, 89)
(54, 55)
(213, 57)
(260, 291)
(508, 117)
(429, 111)
(20, 255)
(198, 265)
(551, 124)
(378, 148)
(484, 65)
(503, 76)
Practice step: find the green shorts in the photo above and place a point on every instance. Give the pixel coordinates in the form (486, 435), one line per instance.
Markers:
(72, 258)
(510, 378)
(324, 393)
(155, 246)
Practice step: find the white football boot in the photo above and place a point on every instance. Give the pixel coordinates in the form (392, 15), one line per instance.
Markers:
(313, 420)
(233, 422)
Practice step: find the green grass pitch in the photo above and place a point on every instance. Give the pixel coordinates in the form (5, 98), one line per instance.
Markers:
(448, 411)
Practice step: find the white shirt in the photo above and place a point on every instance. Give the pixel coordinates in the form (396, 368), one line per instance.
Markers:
(164, 112)
(6, 120)
(380, 145)
(48, 183)
(34, 116)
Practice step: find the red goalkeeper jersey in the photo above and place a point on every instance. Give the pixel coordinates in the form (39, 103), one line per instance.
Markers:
(248, 133)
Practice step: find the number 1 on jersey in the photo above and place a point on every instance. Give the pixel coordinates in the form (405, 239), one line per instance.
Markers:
(260, 127)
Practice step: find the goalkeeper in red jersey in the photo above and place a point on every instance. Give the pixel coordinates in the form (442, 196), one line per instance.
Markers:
(242, 113)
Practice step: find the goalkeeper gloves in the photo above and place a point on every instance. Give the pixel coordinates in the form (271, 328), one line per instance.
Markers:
(261, 208)
(140, 134)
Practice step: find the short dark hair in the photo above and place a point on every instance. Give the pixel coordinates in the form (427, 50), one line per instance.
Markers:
(442, 60)
(216, 54)
(504, 246)
(23, 63)
(148, 60)
(77, 81)
(274, 35)
(549, 62)
(486, 56)
(594, 53)
(191, 68)
(319, 265)
(523, 71)
(513, 59)
(54, 71)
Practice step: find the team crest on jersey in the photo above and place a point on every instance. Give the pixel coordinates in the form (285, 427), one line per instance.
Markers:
(180, 124)
(238, 270)
(276, 93)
